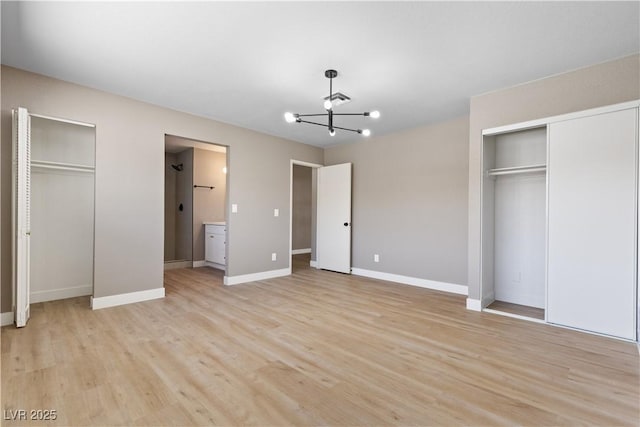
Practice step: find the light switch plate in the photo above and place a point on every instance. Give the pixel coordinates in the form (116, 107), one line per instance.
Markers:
(234, 208)
(276, 212)
(273, 256)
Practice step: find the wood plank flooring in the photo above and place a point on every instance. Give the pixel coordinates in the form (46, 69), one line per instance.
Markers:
(315, 348)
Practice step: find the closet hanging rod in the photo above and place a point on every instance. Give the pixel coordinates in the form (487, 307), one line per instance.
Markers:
(58, 119)
(517, 170)
(62, 166)
(204, 186)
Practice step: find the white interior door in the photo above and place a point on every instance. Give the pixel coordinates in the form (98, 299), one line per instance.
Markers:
(21, 214)
(333, 236)
(592, 167)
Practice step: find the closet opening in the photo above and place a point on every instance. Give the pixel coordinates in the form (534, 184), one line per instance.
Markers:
(514, 223)
(61, 209)
(195, 203)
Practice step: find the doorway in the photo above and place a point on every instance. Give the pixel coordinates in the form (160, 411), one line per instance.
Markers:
(195, 197)
(303, 214)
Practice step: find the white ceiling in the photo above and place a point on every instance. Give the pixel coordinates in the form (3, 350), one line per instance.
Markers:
(246, 63)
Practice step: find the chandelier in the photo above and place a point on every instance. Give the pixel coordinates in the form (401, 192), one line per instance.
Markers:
(330, 101)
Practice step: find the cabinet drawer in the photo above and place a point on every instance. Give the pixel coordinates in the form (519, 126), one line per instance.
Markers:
(215, 229)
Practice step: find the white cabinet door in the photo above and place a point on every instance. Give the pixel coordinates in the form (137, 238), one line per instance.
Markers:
(215, 248)
(591, 282)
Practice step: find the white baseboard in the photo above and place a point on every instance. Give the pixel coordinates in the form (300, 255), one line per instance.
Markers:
(129, 298)
(6, 318)
(313, 263)
(488, 299)
(474, 304)
(413, 281)
(56, 294)
(215, 265)
(263, 275)
(515, 316)
(197, 264)
(301, 251)
(172, 265)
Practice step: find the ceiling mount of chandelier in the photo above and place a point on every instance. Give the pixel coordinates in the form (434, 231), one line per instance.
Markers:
(332, 100)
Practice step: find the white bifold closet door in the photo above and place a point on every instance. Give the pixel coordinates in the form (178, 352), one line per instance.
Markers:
(21, 162)
(592, 240)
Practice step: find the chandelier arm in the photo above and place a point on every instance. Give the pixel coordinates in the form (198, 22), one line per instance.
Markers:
(326, 126)
(311, 115)
(313, 123)
(350, 130)
(350, 114)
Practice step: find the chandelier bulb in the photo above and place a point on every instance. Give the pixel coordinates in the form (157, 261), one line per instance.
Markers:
(366, 132)
(289, 117)
(328, 105)
(332, 132)
(374, 114)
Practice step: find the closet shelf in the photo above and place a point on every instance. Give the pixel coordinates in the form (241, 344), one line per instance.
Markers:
(62, 166)
(517, 170)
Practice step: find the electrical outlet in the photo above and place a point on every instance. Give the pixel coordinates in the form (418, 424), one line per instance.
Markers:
(273, 256)
(376, 258)
(276, 212)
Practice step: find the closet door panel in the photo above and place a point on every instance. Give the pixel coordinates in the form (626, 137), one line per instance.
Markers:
(591, 282)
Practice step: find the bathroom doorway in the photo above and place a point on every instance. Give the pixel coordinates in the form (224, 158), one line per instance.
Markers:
(195, 195)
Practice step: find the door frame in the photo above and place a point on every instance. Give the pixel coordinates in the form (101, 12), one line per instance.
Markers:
(313, 166)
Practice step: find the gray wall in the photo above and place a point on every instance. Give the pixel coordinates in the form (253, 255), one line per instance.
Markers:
(604, 84)
(130, 189)
(301, 199)
(208, 205)
(409, 202)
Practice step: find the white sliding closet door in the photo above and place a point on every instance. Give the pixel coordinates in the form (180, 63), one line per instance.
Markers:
(21, 214)
(591, 281)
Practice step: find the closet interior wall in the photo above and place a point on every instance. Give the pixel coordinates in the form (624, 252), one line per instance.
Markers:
(62, 209)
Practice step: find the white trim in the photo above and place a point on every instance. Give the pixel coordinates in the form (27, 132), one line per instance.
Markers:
(197, 264)
(559, 118)
(129, 298)
(56, 294)
(172, 265)
(253, 277)
(413, 281)
(300, 251)
(215, 265)
(515, 316)
(488, 299)
(474, 304)
(6, 318)
(313, 263)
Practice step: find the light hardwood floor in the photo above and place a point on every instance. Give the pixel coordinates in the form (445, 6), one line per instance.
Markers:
(313, 348)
